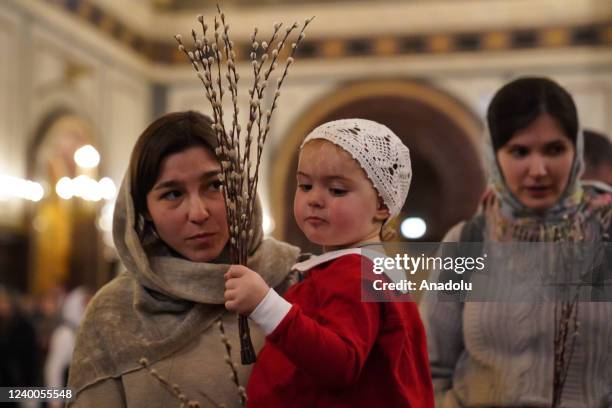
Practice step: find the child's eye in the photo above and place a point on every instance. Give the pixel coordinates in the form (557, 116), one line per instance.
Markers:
(338, 192)
(171, 195)
(304, 187)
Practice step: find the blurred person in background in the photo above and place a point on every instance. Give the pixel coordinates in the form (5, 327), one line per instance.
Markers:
(62, 341)
(47, 315)
(501, 354)
(597, 157)
(19, 353)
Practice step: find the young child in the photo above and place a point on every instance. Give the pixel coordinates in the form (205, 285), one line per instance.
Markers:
(324, 346)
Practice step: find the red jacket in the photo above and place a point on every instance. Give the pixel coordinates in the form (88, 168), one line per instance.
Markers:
(333, 350)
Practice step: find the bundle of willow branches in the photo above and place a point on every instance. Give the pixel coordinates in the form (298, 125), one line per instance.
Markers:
(566, 331)
(239, 150)
(573, 268)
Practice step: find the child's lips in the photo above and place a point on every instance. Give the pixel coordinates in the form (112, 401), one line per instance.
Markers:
(314, 221)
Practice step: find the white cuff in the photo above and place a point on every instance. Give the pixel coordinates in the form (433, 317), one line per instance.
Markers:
(270, 311)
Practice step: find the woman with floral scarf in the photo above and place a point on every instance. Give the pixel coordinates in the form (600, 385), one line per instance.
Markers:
(501, 354)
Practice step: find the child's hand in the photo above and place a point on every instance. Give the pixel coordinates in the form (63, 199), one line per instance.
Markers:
(244, 289)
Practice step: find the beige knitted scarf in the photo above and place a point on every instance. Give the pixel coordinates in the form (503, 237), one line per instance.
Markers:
(160, 302)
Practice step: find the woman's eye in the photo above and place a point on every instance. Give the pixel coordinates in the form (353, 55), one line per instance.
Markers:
(304, 187)
(338, 192)
(216, 185)
(556, 150)
(171, 195)
(519, 152)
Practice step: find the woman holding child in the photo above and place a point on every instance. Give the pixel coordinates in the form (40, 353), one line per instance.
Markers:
(498, 354)
(159, 318)
(150, 337)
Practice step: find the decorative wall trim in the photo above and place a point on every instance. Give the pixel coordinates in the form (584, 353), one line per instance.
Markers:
(595, 35)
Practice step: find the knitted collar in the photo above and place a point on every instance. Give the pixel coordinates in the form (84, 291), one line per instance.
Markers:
(326, 257)
(369, 251)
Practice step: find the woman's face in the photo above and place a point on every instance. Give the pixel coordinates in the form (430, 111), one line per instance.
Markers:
(187, 207)
(536, 163)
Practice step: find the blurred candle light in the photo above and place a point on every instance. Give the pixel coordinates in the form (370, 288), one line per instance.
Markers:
(268, 224)
(87, 157)
(87, 188)
(64, 188)
(107, 187)
(35, 191)
(15, 187)
(413, 227)
(105, 220)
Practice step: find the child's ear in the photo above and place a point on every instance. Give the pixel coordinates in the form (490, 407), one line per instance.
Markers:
(382, 212)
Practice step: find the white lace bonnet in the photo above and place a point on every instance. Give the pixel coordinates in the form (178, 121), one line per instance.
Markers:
(381, 154)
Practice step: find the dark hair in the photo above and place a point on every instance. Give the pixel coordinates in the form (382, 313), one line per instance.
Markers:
(520, 102)
(169, 134)
(597, 149)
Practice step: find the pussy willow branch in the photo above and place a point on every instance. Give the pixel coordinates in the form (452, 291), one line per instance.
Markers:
(232, 75)
(230, 362)
(240, 170)
(566, 326)
(279, 84)
(174, 389)
(563, 317)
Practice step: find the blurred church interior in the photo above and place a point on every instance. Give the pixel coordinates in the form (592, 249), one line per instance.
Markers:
(81, 79)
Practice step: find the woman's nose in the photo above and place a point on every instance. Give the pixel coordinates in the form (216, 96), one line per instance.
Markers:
(537, 166)
(198, 211)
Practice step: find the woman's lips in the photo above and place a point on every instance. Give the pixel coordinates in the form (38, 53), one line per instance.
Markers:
(202, 238)
(538, 191)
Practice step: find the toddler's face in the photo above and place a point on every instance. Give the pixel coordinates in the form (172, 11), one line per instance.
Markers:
(335, 204)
